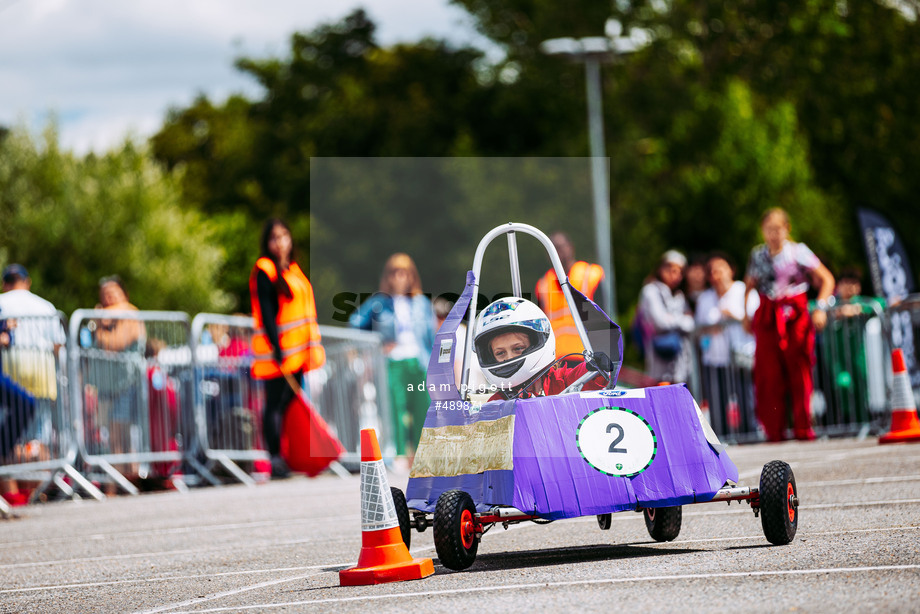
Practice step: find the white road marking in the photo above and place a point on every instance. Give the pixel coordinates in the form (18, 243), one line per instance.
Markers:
(832, 459)
(112, 557)
(243, 589)
(741, 509)
(807, 452)
(170, 578)
(222, 594)
(414, 551)
(545, 585)
(167, 553)
(855, 481)
(814, 506)
(196, 529)
(799, 535)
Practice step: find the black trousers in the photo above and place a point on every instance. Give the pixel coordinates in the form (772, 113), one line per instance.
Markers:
(278, 395)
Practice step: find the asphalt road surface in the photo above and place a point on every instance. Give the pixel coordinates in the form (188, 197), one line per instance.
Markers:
(279, 546)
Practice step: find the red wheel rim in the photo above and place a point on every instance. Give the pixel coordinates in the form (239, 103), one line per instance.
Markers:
(790, 497)
(650, 512)
(467, 529)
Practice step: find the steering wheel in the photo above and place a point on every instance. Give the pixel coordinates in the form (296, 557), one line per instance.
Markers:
(597, 359)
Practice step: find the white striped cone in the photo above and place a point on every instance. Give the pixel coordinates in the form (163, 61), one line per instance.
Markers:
(384, 556)
(378, 511)
(904, 423)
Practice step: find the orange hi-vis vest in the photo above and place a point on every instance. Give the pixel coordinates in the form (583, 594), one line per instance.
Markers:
(583, 277)
(298, 330)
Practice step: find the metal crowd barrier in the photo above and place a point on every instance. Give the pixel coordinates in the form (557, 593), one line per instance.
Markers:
(130, 380)
(904, 324)
(227, 400)
(36, 442)
(351, 390)
(851, 374)
(121, 396)
(149, 395)
(852, 371)
(722, 381)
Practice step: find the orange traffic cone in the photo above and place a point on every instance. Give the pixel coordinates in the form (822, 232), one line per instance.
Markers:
(904, 423)
(384, 556)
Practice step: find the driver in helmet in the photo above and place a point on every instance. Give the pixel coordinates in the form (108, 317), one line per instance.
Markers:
(514, 342)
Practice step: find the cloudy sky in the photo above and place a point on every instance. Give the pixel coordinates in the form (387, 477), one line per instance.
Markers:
(108, 68)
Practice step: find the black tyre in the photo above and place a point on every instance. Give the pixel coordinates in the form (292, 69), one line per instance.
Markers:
(604, 521)
(455, 537)
(779, 503)
(402, 512)
(663, 523)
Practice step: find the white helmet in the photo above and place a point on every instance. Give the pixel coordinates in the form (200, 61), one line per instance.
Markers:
(509, 315)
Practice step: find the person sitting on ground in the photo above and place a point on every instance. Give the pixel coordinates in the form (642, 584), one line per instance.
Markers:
(514, 343)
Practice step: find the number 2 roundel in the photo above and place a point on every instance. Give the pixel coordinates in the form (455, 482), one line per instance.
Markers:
(616, 441)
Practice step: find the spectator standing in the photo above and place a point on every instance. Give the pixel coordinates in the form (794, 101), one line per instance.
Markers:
(35, 334)
(584, 277)
(287, 340)
(850, 348)
(31, 338)
(406, 320)
(117, 334)
(720, 310)
(849, 298)
(666, 321)
(696, 280)
(781, 271)
(117, 374)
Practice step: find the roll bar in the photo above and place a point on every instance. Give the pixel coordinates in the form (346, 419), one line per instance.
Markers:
(510, 229)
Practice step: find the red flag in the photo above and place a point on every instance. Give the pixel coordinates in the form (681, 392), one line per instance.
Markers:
(307, 444)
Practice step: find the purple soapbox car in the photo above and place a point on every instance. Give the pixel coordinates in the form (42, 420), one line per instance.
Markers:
(575, 454)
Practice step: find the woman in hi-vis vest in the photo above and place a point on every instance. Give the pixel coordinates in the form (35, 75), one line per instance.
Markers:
(286, 340)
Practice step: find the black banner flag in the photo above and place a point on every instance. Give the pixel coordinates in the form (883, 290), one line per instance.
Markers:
(888, 263)
(892, 279)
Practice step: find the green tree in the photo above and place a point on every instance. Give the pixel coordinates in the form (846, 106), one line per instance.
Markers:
(844, 69)
(758, 158)
(830, 81)
(72, 220)
(733, 108)
(336, 93)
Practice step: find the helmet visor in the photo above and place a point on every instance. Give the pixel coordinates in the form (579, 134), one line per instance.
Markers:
(537, 332)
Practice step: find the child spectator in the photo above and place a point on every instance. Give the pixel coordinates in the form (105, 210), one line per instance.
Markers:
(405, 319)
(781, 271)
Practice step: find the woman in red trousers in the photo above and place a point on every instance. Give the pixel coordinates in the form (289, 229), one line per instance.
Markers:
(781, 271)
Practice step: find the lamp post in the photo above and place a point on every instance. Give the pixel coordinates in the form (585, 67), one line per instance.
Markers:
(592, 51)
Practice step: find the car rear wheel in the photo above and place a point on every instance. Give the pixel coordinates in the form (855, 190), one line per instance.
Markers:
(663, 523)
